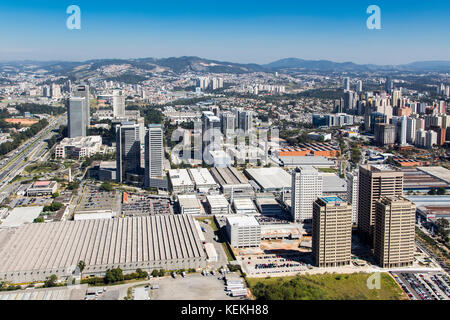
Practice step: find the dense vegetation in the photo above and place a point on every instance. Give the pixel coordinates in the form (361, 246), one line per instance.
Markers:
(39, 109)
(325, 287)
(19, 138)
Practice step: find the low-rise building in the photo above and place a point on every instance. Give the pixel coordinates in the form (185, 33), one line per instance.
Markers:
(189, 204)
(181, 181)
(243, 231)
(42, 188)
(244, 206)
(78, 147)
(218, 205)
(203, 180)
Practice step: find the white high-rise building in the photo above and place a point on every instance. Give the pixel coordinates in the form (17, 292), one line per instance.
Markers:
(352, 194)
(411, 130)
(307, 186)
(359, 87)
(346, 83)
(154, 153)
(118, 104)
(430, 139)
(403, 130)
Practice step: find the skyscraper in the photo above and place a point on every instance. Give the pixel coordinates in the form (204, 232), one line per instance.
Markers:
(154, 154)
(394, 232)
(403, 130)
(118, 104)
(375, 181)
(359, 86)
(307, 185)
(128, 150)
(83, 91)
(352, 194)
(389, 85)
(346, 83)
(228, 121)
(331, 232)
(76, 125)
(245, 121)
(384, 134)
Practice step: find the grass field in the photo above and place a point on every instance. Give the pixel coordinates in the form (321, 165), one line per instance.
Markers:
(325, 287)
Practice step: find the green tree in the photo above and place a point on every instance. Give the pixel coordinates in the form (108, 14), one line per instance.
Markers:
(106, 186)
(51, 281)
(441, 191)
(81, 265)
(155, 273)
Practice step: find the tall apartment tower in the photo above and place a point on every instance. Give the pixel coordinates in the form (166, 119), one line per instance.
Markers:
(128, 150)
(154, 154)
(331, 232)
(395, 232)
(76, 120)
(245, 121)
(307, 186)
(375, 181)
(83, 91)
(352, 194)
(346, 83)
(118, 104)
(228, 121)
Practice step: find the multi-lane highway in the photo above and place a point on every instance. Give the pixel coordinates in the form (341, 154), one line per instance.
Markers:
(31, 150)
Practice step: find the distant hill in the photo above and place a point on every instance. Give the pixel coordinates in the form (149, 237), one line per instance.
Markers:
(140, 69)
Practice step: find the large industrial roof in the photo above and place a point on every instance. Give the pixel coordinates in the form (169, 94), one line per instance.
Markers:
(271, 178)
(104, 242)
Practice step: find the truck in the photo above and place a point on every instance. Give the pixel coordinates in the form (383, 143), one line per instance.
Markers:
(239, 293)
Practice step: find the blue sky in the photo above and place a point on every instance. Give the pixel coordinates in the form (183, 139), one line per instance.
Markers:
(238, 31)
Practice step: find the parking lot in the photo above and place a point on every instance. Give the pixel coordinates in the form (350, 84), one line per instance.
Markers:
(95, 199)
(144, 204)
(276, 264)
(424, 286)
(192, 287)
(30, 201)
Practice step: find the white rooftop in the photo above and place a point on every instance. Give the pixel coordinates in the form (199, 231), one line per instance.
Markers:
(243, 204)
(243, 221)
(180, 177)
(217, 201)
(201, 176)
(20, 216)
(271, 178)
(189, 201)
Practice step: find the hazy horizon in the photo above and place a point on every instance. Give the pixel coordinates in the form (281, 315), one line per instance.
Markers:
(235, 31)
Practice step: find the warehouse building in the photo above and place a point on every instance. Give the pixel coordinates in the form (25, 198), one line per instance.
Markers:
(180, 181)
(35, 251)
(231, 180)
(189, 204)
(244, 206)
(243, 231)
(268, 205)
(203, 180)
(218, 205)
(270, 179)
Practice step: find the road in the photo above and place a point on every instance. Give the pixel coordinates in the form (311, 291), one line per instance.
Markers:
(439, 260)
(31, 150)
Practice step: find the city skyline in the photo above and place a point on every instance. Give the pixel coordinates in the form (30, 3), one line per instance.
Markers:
(251, 32)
